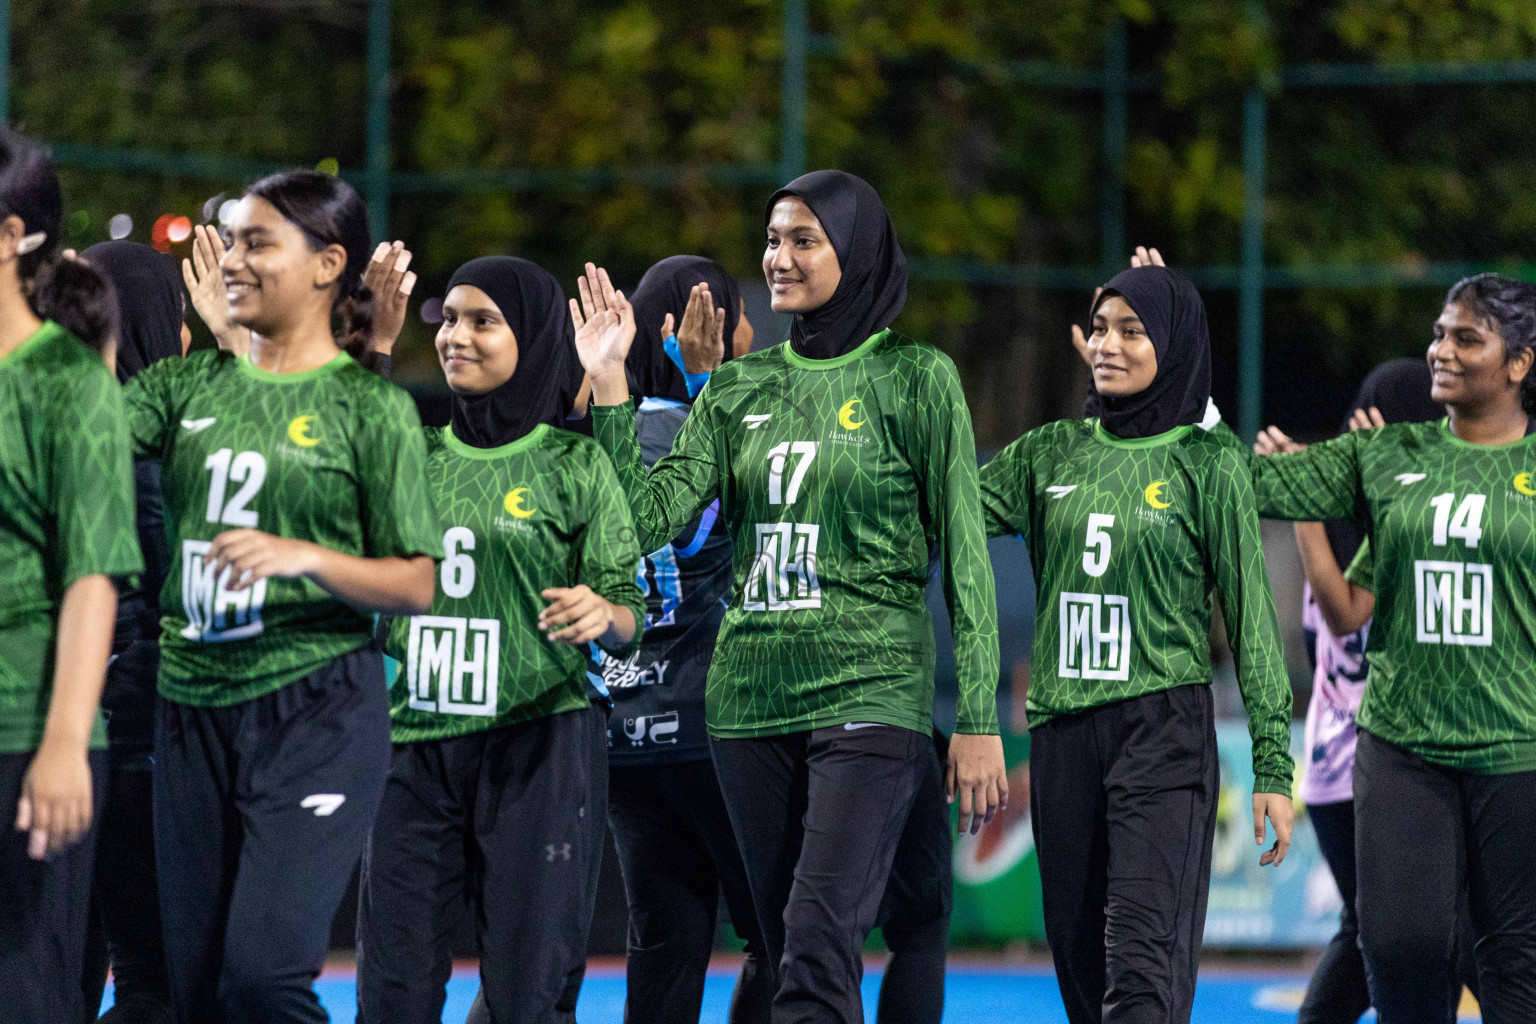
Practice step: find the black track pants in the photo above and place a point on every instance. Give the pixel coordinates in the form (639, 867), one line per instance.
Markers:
(1422, 832)
(261, 813)
(496, 823)
(817, 817)
(1123, 802)
(43, 909)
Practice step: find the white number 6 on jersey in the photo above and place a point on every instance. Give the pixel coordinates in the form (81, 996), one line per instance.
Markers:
(458, 572)
(1096, 558)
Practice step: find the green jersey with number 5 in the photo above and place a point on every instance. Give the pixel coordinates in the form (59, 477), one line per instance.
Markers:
(842, 482)
(1128, 539)
(544, 511)
(333, 456)
(1453, 565)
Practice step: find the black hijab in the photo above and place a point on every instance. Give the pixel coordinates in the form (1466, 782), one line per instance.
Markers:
(873, 287)
(548, 376)
(1399, 389)
(664, 289)
(1171, 310)
(148, 301)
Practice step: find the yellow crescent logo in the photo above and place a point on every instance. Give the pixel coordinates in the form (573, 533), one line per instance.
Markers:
(1153, 492)
(845, 415)
(298, 432)
(513, 503)
(1523, 484)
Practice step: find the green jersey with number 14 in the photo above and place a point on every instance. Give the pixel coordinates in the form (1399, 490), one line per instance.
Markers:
(333, 456)
(1128, 539)
(1453, 551)
(544, 511)
(840, 481)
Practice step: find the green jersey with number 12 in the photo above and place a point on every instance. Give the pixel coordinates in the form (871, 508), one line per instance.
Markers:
(333, 455)
(841, 481)
(1453, 565)
(544, 511)
(1128, 539)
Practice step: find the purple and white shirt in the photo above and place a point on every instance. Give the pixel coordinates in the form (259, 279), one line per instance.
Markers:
(1338, 680)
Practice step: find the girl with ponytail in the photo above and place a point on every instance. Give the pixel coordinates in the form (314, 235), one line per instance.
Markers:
(295, 508)
(66, 528)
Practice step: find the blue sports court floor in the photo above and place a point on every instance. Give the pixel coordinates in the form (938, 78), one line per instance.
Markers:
(976, 995)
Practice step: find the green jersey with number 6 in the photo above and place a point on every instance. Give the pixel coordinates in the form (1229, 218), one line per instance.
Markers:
(544, 511)
(333, 455)
(841, 482)
(1128, 539)
(66, 512)
(1453, 565)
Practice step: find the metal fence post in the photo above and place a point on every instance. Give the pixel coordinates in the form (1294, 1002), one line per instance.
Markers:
(1112, 187)
(1250, 372)
(793, 91)
(376, 164)
(5, 61)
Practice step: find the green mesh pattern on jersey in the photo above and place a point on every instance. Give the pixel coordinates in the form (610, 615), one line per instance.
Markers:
(1453, 566)
(333, 456)
(841, 481)
(544, 511)
(66, 511)
(1128, 540)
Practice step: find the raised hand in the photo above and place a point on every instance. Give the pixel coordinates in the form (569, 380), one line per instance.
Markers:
(1274, 441)
(389, 278)
(1145, 257)
(605, 328)
(1363, 419)
(701, 338)
(205, 286)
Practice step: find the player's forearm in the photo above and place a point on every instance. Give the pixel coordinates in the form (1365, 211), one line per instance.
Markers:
(610, 387)
(84, 646)
(393, 586)
(660, 501)
(1344, 606)
(621, 629)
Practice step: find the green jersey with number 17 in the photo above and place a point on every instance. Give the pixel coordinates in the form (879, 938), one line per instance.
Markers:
(544, 511)
(1128, 539)
(1453, 546)
(842, 481)
(333, 455)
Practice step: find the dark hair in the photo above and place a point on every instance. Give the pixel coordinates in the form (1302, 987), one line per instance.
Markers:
(73, 294)
(329, 212)
(1510, 307)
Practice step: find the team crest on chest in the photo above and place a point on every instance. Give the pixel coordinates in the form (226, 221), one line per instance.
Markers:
(850, 421)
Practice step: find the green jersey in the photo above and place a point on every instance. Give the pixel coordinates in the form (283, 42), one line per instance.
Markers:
(66, 511)
(1128, 539)
(841, 481)
(1452, 529)
(333, 455)
(544, 511)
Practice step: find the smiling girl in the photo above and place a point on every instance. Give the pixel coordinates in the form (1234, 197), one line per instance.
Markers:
(295, 507)
(845, 467)
(1132, 520)
(489, 802)
(1445, 757)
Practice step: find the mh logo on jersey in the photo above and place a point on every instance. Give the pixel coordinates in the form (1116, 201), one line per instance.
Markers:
(516, 503)
(1095, 637)
(299, 431)
(453, 664)
(643, 729)
(1455, 602)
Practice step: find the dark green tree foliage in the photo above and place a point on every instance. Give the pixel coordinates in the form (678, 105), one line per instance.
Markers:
(976, 165)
